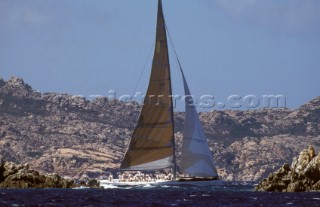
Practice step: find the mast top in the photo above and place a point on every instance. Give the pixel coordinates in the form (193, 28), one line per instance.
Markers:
(160, 7)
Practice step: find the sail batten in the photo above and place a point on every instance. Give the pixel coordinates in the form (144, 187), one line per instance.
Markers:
(156, 165)
(152, 142)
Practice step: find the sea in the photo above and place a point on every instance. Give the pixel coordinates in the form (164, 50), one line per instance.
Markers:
(226, 194)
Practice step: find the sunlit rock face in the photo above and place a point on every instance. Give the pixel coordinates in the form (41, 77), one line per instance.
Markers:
(303, 175)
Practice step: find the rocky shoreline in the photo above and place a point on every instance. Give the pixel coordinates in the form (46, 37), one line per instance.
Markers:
(303, 175)
(20, 176)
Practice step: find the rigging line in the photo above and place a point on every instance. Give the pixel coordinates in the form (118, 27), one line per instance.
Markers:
(174, 50)
(142, 29)
(143, 69)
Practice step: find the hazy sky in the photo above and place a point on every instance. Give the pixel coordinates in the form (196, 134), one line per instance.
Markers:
(227, 47)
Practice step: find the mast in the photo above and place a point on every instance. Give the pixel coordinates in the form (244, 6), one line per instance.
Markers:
(152, 144)
(160, 14)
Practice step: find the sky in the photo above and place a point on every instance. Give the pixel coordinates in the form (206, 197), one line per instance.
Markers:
(226, 47)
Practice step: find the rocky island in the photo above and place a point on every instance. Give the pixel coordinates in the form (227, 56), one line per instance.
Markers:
(302, 175)
(20, 176)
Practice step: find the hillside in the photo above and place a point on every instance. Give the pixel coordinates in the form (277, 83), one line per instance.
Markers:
(77, 138)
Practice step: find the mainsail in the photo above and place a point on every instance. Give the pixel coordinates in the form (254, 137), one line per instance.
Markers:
(196, 158)
(152, 142)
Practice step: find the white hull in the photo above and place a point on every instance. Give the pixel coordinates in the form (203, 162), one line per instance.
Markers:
(117, 183)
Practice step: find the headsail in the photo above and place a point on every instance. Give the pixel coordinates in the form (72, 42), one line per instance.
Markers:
(152, 143)
(196, 158)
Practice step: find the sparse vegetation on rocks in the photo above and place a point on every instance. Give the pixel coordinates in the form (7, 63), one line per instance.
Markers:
(82, 139)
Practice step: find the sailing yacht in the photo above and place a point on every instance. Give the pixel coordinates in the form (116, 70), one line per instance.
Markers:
(152, 144)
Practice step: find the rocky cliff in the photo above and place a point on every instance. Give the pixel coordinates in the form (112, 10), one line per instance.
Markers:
(78, 138)
(302, 175)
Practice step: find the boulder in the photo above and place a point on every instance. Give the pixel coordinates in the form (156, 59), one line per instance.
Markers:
(20, 176)
(303, 175)
(93, 183)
